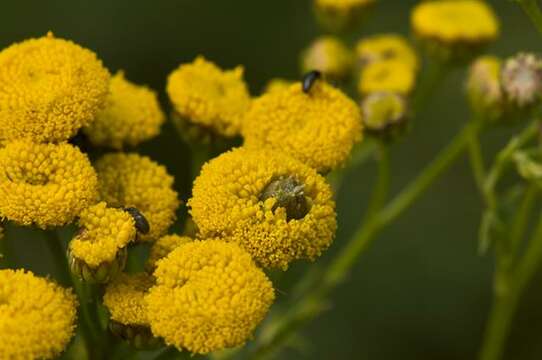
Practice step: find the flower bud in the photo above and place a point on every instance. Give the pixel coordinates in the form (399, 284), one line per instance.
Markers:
(100, 274)
(527, 167)
(138, 336)
(484, 87)
(328, 55)
(384, 114)
(522, 80)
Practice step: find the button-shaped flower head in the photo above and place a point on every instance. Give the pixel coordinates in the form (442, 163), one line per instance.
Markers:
(45, 184)
(209, 295)
(131, 180)
(131, 115)
(97, 253)
(275, 207)
(383, 47)
(328, 55)
(37, 317)
(484, 88)
(387, 76)
(205, 95)
(318, 127)
(162, 247)
(337, 15)
(50, 88)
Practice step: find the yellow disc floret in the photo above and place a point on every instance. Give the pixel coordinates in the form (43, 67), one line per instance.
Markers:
(387, 76)
(131, 115)
(277, 84)
(386, 47)
(455, 21)
(209, 296)
(163, 246)
(124, 298)
(318, 128)
(44, 184)
(131, 180)
(37, 317)
(50, 88)
(328, 55)
(104, 231)
(230, 199)
(208, 96)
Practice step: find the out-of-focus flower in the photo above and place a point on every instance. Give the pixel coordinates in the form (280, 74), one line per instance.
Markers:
(131, 115)
(384, 47)
(521, 79)
(209, 296)
(277, 84)
(50, 88)
(162, 247)
(319, 128)
(387, 76)
(97, 253)
(125, 300)
(484, 87)
(37, 317)
(131, 180)
(328, 55)
(338, 15)
(454, 28)
(44, 184)
(384, 114)
(232, 199)
(208, 96)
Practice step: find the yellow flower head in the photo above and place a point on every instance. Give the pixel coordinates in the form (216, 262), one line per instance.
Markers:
(340, 14)
(104, 231)
(209, 96)
(124, 298)
(131, 115)
(209, 296)
(484, 86)
(37, 317)
(328, 55)
(50, 88)
(132, 180)
(44, 184)
(318, 128)
(163, 246)
(277, 84)
(233, 198)
(386, 47)
(387, 76)
(455, 21)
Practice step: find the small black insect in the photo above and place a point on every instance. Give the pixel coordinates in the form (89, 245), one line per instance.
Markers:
(309, 79)
(141, 223)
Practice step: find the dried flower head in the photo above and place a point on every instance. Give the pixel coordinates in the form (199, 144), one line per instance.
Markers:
(209, 296)
(132, 180)
(521, 79)
(318, 128)
(37, 317)
(131, 115)
(50, 88)
(208, 96)
(45, 184)
(233, 198)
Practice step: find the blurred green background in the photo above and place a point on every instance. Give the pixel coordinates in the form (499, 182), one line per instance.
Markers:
(421, 291)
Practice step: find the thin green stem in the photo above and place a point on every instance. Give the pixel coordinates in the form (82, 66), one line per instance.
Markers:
(531, 8)
(477, 160)
(436, 72)
(60, 261)
(510, 285)
(521, 218)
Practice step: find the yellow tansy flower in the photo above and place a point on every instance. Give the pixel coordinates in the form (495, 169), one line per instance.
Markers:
(163, 246)
(37, 317)
(230, 199)
(132, 180)
(328, 55)
(277, 84)
(208, 96)
(386, 47)
(387, 76)
(124, 298)
(131, 115)
(104, 232)
(50, 88)
(455, 21)
(209, 296)
(318, 128)
(340, 14)
(44, 184)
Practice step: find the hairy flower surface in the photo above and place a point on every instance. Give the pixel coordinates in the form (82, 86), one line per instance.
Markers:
(455, 21)
(37, 317)
(131, 115)
(104, 231)
(384, 47)
(132, 180)
(227, 203)
(328, 55)
(209, 296)
(318, 128)
(44, 184)
(387, 76)
(124, 298)
(50, 88)
(209, 96)
(163, 246)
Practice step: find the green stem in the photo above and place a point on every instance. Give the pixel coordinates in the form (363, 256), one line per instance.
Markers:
(60, 261)
(531, 8)
(426, 87)
(521, 218)
(477, 160)
(510, 285)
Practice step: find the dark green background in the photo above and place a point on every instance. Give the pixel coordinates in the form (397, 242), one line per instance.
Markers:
(421, 292)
